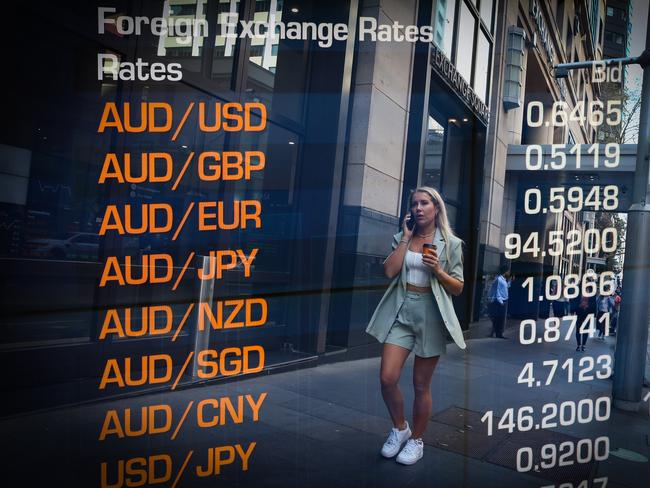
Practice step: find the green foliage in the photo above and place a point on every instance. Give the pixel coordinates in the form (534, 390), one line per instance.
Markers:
(609, 219)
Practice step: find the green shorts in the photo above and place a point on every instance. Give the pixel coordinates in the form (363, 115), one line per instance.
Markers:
(419, 326)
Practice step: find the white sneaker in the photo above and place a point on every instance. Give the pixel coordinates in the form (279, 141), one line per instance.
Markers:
(395, 440)
(412, 452)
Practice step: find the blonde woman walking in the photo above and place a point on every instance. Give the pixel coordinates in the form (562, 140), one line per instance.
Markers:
(426, 267)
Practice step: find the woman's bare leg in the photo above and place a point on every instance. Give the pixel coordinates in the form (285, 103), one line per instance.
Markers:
(392, 361)
(422, 373)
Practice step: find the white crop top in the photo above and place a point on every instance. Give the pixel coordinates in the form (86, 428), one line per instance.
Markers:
(417, 273)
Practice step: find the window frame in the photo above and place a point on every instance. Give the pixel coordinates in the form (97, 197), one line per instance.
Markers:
(479, 26)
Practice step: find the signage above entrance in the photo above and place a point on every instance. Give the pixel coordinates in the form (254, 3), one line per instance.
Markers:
(536, 13)
(447, 71)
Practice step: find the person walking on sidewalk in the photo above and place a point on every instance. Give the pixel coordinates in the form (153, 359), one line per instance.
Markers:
(415, 313)
(498, 301)
(560, 305)
(616, 310)
(604, 304)
(582, 306)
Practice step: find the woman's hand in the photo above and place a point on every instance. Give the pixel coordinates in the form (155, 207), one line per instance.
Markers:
(394, 261)
(407, 233)
(430, 260)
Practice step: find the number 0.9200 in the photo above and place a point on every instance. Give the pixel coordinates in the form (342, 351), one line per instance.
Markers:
(565, 454)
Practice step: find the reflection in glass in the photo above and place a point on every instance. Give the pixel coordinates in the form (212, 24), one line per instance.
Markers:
(458, 148)
(225, 40)
(433, 153)
(482, 66)
(262, 49)
(185, 39)
(486, 13)
(444, 25)
(78, 246)
(464, 53)
(276, 70)
(275, 185)
(274, 188)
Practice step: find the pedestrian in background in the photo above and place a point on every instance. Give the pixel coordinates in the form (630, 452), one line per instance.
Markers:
(498, 301)
(615, 313)
(582, 306)
(561, 305)
(604, 304)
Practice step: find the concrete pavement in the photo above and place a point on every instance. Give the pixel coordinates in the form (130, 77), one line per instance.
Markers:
(324, 426)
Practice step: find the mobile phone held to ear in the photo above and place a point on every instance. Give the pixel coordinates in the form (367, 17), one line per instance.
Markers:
(410, 221)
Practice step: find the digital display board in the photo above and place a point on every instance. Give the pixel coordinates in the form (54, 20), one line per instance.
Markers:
(343, 243)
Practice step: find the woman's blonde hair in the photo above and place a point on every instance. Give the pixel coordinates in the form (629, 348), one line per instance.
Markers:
(442, 221)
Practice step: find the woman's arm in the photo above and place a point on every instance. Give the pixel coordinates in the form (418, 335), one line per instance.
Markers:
(449, 281)
(452, 285)
(394, 261)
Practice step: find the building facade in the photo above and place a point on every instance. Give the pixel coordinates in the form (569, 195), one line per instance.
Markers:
(617, 29)
(544, 34)
(352, 128)
(419, 117)
(53, 305)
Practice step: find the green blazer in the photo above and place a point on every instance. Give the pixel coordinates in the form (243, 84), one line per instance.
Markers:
(450, 254)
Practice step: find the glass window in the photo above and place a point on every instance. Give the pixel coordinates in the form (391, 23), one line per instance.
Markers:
(85, 239)
(277, 67)
(459, 148)
(444, 25)
(184, 42)
(224, 44)
(182, 9)
(559, 14)
(610, 11)
(465, 50)
(486, 13)
(53, 199)
(482, 67)
(433, 154)
(281, 148)
(262, 48)
(257, 52)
